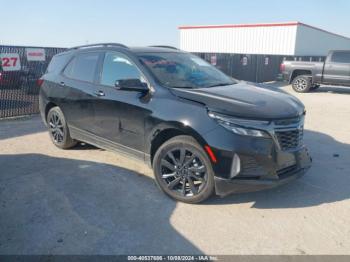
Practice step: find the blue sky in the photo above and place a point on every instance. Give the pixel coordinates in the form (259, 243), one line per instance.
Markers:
(67, 23)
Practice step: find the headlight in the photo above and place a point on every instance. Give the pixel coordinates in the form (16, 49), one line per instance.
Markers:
(239, 126)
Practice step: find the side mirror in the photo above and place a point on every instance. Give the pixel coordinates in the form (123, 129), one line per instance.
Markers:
(131, 85)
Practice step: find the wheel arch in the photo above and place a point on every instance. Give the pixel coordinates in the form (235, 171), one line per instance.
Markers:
(163, 133)
(298, 72)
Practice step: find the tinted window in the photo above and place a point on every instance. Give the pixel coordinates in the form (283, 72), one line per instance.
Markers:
(82, 67)
(341, 57)
(117, 66)
(57, 63)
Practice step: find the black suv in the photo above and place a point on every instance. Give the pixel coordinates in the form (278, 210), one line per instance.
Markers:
(200, 130)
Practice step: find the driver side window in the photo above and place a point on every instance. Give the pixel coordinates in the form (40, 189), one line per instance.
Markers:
(117, 66)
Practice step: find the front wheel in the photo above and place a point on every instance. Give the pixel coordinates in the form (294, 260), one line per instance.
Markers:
(183, 170)
(302, 84)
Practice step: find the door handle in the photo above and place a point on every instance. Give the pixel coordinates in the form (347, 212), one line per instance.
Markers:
(99, 93)
(62, 83)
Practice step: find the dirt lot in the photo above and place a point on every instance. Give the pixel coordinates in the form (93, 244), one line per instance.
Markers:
(90, 201)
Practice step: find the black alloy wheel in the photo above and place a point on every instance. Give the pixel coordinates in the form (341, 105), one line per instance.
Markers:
(183, 170)
(58, 129)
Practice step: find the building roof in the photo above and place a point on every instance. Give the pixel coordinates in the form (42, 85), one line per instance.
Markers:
(294, 23)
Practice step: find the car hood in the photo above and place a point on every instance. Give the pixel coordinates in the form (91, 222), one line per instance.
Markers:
(245, 100)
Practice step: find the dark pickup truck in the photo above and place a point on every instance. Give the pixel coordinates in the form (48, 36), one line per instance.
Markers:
(306, 76)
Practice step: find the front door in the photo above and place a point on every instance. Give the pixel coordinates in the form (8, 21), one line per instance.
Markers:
(120, 114)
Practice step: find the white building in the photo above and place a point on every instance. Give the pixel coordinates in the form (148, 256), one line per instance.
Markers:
(289, 39)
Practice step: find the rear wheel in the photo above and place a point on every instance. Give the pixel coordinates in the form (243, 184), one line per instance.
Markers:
(58, 129)
(183, 170)
(302, 84)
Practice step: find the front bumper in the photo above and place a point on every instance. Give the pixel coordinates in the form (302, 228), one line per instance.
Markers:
(263, 164)
(225, 187)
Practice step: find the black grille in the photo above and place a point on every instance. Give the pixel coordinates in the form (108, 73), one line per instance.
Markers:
(289, 139)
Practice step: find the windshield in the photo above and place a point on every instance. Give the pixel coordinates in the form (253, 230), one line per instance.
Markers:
(183, 70)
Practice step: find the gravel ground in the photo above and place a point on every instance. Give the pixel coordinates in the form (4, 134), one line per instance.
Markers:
(91, 201)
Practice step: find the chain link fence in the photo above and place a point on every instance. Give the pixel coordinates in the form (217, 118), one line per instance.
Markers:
(20, 68)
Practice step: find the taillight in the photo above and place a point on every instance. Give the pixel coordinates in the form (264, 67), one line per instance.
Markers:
(282, 67)
(0, 76)
(39, 82)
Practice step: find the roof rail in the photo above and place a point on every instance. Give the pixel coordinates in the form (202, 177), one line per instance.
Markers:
(99, 44)
(165, 46)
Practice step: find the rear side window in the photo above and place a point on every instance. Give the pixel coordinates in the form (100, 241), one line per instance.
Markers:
(82, 67)
(57, 63)
(341, 57)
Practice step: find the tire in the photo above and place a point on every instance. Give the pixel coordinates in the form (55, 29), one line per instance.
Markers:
(190, 180)
(302, 84)
(58, 129)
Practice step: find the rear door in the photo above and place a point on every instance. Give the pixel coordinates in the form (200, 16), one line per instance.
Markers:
(76, 87)
(337, 68)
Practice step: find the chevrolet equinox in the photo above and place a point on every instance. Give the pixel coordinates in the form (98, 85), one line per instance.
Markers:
(200, 130)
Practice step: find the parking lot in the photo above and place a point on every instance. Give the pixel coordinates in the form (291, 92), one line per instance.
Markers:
(90, 201)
